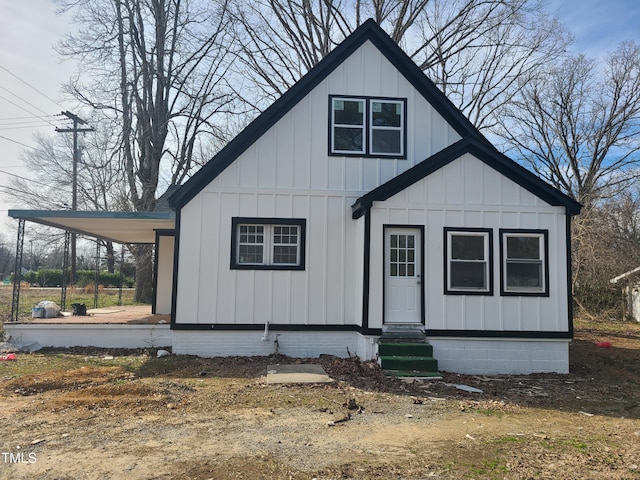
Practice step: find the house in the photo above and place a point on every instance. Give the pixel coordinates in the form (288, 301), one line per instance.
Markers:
(361, 206)
(362, 203)
(630, 292)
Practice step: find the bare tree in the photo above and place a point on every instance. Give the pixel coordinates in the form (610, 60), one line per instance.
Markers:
(158, 66)
(606, 243)
(479, 52)
(578, 127)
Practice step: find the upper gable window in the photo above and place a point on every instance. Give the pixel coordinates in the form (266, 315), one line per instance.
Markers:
(363, 126)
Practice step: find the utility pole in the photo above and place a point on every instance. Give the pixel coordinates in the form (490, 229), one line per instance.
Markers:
(74, 182)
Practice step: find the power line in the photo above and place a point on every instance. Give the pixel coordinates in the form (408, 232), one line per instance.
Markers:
(30, 86)
(26, 101)
(18, 176)
(22, 108)
(19, 143)
(3, 119)
(24, 127)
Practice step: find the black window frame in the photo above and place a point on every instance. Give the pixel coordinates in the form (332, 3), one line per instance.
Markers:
(368, 128)
(544, 235)
(301, 223)
(488, 232)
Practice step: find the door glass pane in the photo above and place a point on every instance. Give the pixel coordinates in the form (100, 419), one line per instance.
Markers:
(402, 255)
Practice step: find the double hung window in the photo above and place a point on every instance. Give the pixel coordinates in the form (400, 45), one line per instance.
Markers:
(468, 261)
(267, 243)
(524, 263)
(374, 127)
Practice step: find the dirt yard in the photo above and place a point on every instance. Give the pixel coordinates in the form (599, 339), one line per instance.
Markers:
(97, 414)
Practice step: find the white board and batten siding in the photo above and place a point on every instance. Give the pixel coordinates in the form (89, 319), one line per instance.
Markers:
(287, 173)
(468, 193)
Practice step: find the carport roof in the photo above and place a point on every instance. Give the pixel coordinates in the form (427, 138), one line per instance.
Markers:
(119, 227)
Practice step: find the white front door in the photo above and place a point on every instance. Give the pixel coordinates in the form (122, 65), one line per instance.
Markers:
(402, 275)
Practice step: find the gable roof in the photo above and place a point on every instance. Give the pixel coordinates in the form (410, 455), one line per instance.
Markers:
(370, 31)
(484, 152)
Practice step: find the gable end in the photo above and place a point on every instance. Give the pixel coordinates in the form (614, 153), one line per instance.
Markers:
(370, 31)
(484, 152)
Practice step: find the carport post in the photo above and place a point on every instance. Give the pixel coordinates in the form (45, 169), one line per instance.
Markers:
(17, 273)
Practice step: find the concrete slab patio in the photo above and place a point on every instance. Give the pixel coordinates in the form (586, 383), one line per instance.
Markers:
(305, 373)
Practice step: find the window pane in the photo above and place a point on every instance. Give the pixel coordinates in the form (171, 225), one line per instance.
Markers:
(250, 254)
(402, 270)
(347, 139)
(468, 275)
(467, 247)
(348, 112)
(394, 270)
(523, 247)
(410, 270)
(524, 274)
(386, 114)
(394, 240)
(285, 254)
(386, 141)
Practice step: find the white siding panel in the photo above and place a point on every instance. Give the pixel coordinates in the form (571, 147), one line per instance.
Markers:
(335, 257)
(434, 262)
(247, 171)
(208, 261)
(530, 311)
(336, 175)
(474, 312)
(512, 313)
(266, 204)
(473, 188)
(318, 250)
(510, 191)
(280, 311)
(282, 160)
(189, 261)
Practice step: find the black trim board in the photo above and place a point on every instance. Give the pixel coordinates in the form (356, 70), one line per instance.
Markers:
(485, 153)
(498, 334)
(368, 31)
(569, 276)
(176, 255)
(366, 270)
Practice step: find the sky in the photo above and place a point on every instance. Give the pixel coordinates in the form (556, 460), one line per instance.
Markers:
(31, 73)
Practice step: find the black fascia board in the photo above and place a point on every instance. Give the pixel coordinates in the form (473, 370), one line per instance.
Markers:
(369, 30)
(484, 152)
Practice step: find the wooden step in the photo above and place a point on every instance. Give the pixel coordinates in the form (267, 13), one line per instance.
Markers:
(405, 349)
(407, 358)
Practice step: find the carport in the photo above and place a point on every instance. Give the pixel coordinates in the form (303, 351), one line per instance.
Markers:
(156, 227)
